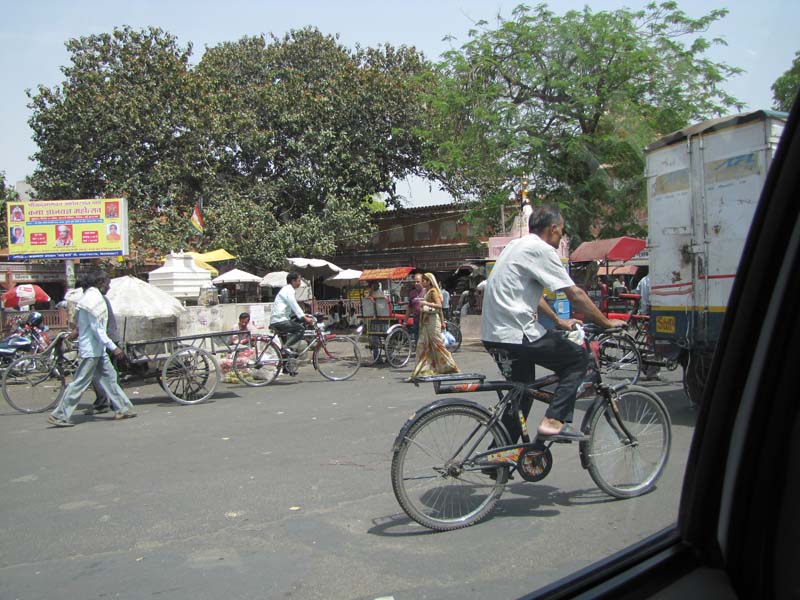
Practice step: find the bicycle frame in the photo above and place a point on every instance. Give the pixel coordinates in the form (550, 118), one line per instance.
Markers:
(509, 394)
(320, 337)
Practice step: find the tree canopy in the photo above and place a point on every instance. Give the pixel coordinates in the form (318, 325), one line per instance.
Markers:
(287, 141)
(567, 103)
(786, 87)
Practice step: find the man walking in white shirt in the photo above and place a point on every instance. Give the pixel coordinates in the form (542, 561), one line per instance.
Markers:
(93, 341)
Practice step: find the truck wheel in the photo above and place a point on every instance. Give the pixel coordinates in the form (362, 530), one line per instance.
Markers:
(695, 375)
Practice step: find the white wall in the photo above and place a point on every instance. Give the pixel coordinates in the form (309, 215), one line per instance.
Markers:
(222, 317)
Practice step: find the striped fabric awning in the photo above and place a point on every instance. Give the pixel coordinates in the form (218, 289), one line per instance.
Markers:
(393, 273)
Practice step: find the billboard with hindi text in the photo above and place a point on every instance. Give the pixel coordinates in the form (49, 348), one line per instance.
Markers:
(85, 228)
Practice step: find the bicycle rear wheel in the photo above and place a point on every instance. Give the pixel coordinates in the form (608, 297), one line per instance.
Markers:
(258, 363)
(371, 351)
(620, 361)
(455, 330)
(624, 467)
(434, 481)
(31, 384)
(337, 358)
(398, 348)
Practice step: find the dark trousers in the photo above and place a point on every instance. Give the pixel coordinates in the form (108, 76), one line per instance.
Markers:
(293, 330)
(413, 330)
(100, 399)
(553, 351)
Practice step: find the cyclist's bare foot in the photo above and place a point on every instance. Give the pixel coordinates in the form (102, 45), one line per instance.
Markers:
(550, 426)
(555, 430)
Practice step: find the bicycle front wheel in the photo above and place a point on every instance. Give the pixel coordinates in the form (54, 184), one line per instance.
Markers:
(31, 384)
(337, 358)
(620, 361)
(627, 461)
(398, 348)
(434, 481)
(258, 363)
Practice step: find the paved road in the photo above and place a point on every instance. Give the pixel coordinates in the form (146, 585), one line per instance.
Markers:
(284, 492)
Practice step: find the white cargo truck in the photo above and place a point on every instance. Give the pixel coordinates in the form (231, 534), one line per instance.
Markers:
(703, 184)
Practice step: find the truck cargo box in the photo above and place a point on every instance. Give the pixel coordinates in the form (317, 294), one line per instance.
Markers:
(703, 184)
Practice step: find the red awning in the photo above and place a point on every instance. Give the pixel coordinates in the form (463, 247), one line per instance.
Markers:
(393, 273)
(621, 270)
(621, 248)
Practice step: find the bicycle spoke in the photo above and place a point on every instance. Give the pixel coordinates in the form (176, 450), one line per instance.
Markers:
(428, 473)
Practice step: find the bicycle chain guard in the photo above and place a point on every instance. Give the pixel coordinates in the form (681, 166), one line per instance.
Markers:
(535, 463)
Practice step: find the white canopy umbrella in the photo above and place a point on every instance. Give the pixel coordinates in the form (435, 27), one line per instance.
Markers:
(277, 279)
(312, 267)
(236, 276)
(344, 278)
(274, 279)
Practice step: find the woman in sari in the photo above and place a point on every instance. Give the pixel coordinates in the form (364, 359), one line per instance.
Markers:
(432, 356)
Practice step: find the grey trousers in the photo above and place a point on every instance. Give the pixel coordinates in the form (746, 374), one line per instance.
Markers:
(100, 370)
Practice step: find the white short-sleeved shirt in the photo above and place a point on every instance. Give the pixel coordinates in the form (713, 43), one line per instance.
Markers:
(285, 304)
(511, 298)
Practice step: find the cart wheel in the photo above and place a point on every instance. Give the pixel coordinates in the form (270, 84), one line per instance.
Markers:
(398, 348)
(371, 351)
(190, 375)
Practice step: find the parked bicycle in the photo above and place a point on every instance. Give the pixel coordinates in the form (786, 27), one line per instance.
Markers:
(627, 354)
(452, 458)
(259, 359)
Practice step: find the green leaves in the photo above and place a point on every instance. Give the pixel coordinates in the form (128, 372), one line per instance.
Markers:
(786, 87)
(568, 102)
(286, 140)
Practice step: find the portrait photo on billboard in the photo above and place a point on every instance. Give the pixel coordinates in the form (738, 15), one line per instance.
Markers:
(17, 213)
(112, 232)
(64, 236)
(17, 235)
(112, 210)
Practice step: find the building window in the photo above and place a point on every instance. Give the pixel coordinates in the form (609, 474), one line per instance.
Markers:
(448, 230)
(422, 232)
(396, 234)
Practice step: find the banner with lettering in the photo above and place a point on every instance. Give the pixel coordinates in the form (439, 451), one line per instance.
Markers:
(68, 228)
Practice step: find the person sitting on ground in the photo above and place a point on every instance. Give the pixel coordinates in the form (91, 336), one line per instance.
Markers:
(287, 315)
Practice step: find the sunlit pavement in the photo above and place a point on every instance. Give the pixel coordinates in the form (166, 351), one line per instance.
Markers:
(285, 491)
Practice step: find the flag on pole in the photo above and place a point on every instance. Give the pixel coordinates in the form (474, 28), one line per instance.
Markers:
(197, 217)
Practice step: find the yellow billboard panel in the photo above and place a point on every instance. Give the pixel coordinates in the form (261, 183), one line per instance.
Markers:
(68, 228)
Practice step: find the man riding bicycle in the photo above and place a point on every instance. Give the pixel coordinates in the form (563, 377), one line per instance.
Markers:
(287, 314)
(512, 334)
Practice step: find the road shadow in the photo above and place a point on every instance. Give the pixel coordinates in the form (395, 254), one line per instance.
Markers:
(540, 501)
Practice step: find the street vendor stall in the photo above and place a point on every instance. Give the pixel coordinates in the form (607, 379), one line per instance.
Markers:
(241, 285)
(382, 317)
(601, 253)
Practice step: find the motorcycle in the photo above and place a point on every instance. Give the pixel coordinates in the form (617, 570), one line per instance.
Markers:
(29, 337)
